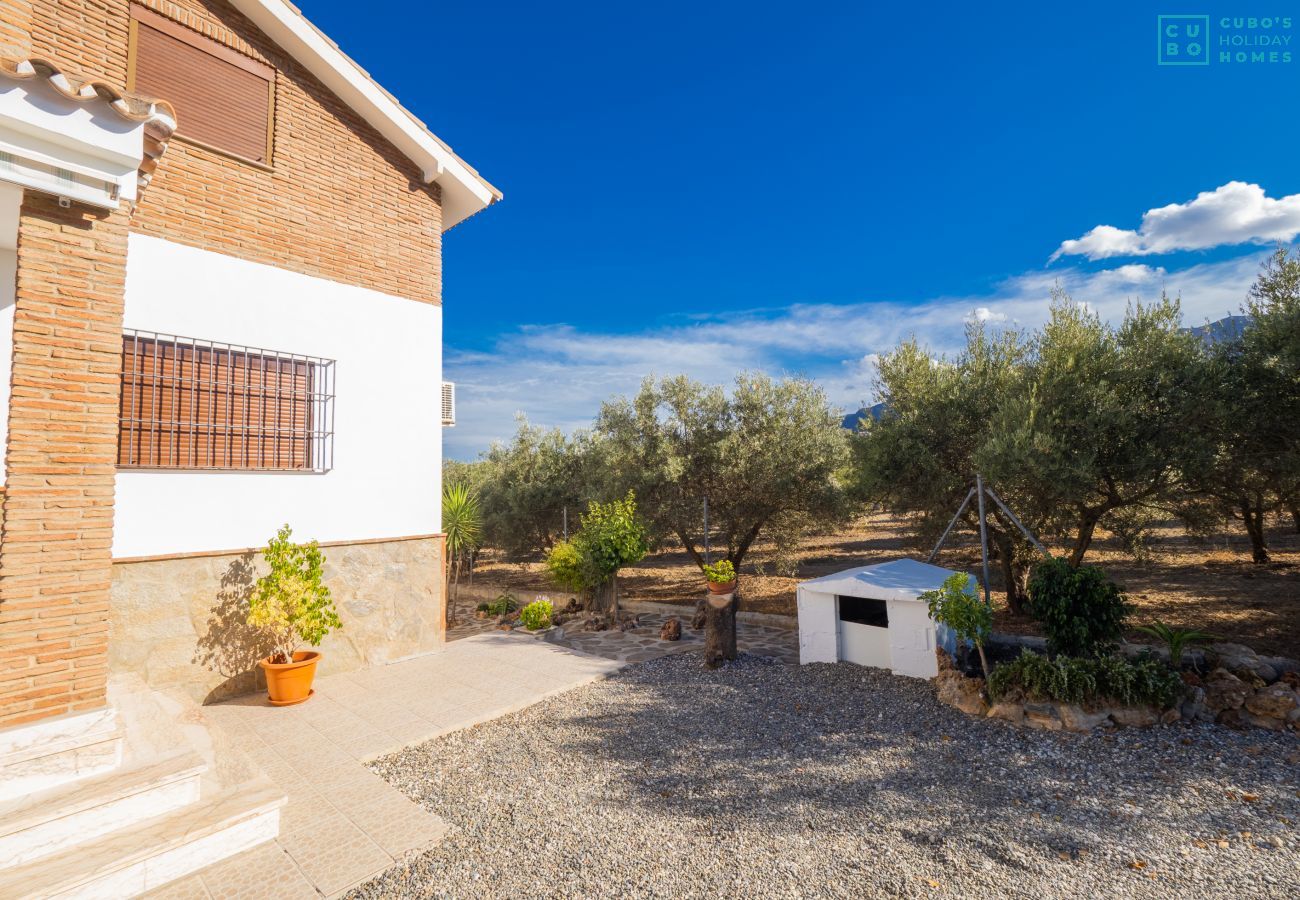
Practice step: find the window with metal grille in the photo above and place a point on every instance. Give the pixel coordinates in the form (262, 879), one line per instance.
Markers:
(191, 404)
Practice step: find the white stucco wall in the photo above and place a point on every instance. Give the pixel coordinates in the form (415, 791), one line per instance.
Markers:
(11, 198)
(911, 639)
(386, 479)
(818, 627)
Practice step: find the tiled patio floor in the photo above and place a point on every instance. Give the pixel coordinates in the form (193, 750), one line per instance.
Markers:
(343, 823)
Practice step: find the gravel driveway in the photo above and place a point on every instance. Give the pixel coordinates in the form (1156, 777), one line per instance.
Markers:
(766, 780)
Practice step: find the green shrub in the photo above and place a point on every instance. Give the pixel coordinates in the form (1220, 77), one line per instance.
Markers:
(502, 605)
(537, 615)
(1146, 681)
(565, 564)
(610, 537)
(1081, 610)
(721, 572)
(969, 617)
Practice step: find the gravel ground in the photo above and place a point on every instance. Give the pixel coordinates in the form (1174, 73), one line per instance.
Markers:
(765, 780)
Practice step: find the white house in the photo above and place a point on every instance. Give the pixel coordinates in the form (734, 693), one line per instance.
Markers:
(220, 312)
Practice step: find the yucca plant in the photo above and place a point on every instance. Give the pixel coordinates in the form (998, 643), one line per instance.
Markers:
(462, 523)
(1176, 639)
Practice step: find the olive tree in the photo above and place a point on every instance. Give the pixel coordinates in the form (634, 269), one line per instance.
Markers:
(525, 485)
(1246, 463)
(769, 455)
(1272, 343)
(1101, 420)
(921, 456)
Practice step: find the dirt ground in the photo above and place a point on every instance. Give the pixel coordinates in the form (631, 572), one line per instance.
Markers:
(1209, 584)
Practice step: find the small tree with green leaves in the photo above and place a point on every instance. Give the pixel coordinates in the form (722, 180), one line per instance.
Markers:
(970, 619)
(611, 536)
(291, 602)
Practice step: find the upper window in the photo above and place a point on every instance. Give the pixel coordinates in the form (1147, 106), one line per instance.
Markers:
(190, 404)
(223, 99)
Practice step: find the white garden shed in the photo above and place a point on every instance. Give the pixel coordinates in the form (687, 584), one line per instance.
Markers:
(873, 616)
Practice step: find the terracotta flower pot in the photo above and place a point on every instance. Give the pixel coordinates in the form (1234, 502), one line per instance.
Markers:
(290, 683)
(724, 587)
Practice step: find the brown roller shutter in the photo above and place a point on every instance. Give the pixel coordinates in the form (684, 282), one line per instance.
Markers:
(222, 98)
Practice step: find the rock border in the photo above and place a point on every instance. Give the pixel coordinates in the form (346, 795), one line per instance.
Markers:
(1236, 694)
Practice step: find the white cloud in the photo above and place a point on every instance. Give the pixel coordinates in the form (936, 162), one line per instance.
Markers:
(1235, 213)
(558, 375)
(984, 314)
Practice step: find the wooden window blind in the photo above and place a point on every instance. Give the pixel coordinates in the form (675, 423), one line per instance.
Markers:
(222, 98)
(190, 404)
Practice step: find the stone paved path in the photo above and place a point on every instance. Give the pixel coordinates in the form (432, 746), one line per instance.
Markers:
(642, 643)
(344, 824)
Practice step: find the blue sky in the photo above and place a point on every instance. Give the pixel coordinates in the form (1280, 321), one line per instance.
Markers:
(709, 187)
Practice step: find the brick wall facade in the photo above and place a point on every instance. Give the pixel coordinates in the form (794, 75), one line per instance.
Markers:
(15, 28)
(56, 555)
(337, 202)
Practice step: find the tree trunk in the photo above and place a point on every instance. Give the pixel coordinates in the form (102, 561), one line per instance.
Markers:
(719, 632)
(455, 591)
(738, 555)
(1083, 540)
(690, 547)
(1295, 515)
(1253, 518)
(605, 600)
(448, 613)
(1013, 578)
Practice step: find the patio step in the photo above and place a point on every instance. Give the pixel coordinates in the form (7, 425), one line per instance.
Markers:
(60, 750)
(145, 855)
(45, 822)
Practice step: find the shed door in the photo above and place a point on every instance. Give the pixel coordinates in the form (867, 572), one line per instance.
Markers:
(864, 631)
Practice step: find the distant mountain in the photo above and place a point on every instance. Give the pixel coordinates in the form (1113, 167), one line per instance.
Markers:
(872, 412)
(1226, 329)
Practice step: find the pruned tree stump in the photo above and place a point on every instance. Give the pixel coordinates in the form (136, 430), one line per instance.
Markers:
(697, 620)
(719, 629)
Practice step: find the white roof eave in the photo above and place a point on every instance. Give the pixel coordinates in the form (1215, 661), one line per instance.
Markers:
(464, 191)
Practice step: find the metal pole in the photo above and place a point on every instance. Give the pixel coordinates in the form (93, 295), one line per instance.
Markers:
(708, 560)
(943, 537)
(1012, 516)
(984, 537)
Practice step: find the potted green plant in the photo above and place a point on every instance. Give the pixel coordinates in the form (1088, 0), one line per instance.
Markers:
(293, 606)
(721, 577)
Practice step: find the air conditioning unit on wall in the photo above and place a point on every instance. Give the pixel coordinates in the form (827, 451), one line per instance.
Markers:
(449, 404)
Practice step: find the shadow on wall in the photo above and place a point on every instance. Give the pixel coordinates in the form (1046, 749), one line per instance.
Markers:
(230, 646)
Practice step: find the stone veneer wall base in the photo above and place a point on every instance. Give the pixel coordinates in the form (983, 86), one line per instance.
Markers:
(179, 623)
